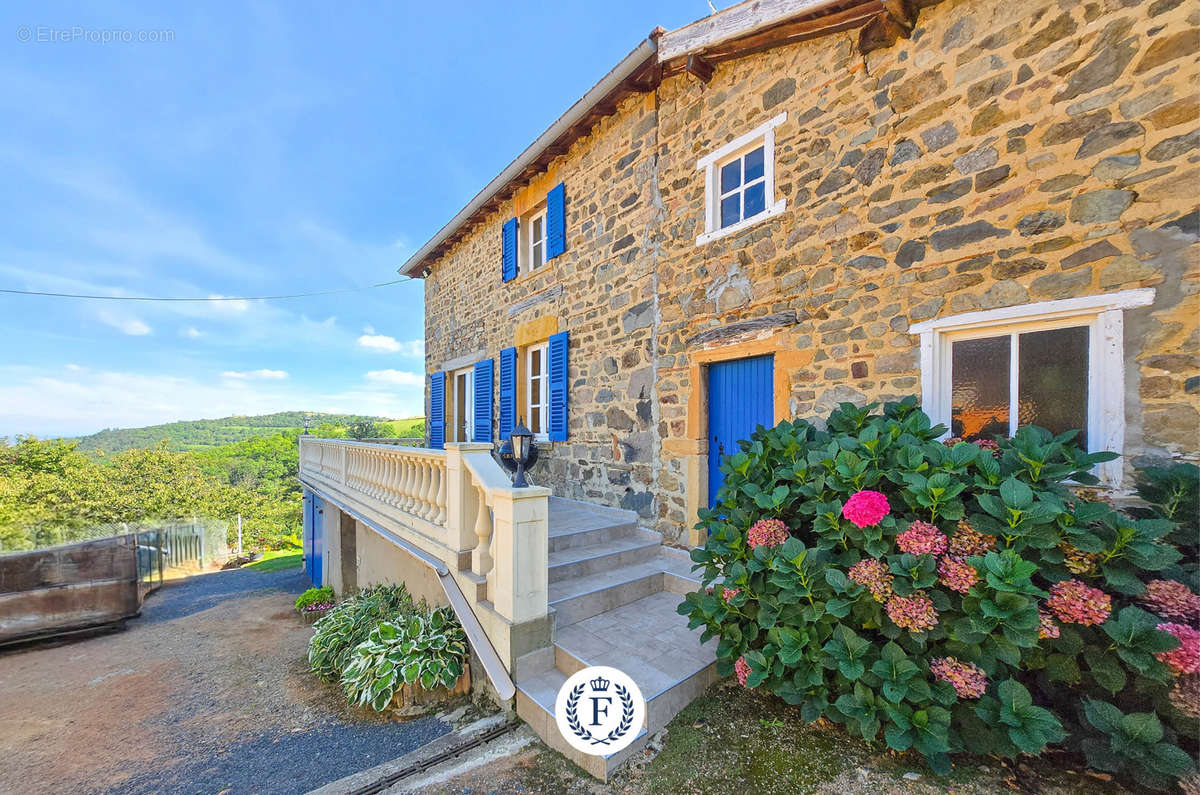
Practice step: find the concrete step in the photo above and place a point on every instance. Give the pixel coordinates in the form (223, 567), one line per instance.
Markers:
(562, 538)
(579, 598)
(649, 641)
(587, 559)
(646, 639)
(535, 705)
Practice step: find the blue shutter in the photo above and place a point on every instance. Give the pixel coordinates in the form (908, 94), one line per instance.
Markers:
(437, 411)
(509, 265)
(556, 221)
(483, 401)
(508, 392)
(558, 387)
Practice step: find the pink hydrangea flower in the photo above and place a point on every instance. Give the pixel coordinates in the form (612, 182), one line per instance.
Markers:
(915, 613)
(767, 533)
(922, 538)
(988, 444)
(967, 541)
(728, 593)
(865, 508)
(1074, 602)
(968, 679)
(874, 576)
(951, 441)
(741, 669)
(1172, 599)
(957, 575)
(1046, 626)
(1185, 659)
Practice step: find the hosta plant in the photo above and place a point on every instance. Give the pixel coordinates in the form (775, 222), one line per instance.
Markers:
(336, 634)
(429, 650)
(948, 596)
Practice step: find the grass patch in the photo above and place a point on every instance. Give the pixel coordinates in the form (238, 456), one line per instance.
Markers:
(277, 560)
(406, 428)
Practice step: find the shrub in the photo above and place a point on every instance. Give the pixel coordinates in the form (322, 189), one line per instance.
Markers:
(314, 596)
(337, 634)
(429, 649)
(950, 596)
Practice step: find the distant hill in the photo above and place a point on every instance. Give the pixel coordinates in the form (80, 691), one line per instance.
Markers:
(200, 434)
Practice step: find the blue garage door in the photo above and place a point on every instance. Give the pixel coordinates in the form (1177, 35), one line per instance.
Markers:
(740, 398)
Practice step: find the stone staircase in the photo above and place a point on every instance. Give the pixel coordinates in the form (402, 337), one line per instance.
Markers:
(613, 593)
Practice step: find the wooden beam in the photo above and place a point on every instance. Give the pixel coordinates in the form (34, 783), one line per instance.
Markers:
(854, 16)
(735, 22)
(698, 68)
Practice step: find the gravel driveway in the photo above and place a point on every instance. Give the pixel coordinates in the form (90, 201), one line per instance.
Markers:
(206, 692)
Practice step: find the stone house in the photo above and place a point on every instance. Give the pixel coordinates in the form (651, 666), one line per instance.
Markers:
(786, 205)
(989, 204)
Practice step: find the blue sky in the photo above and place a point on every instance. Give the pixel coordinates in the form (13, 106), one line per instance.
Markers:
(262, 148)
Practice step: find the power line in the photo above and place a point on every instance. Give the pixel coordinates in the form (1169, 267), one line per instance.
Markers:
(209, 298)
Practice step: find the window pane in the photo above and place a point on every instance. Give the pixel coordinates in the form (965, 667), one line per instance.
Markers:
(754, 165)
(979, 393)
(731, 208)
(756, 200)
(731, 175)
(538, 261)
(535, 419)
(1052, 380)
(537, 228)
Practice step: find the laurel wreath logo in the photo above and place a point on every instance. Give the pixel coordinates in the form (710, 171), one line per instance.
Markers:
(617, 733)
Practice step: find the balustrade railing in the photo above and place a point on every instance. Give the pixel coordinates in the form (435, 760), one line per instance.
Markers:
(493, 536)
(410, 479)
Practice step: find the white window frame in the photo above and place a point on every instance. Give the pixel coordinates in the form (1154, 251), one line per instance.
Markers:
(762, 135)
(526, 264)
(1100, 314)
(543, 381)
(469, 425)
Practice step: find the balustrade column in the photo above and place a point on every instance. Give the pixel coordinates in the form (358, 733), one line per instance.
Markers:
(481, 556)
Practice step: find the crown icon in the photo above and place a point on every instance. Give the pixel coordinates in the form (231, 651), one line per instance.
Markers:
(599, 684)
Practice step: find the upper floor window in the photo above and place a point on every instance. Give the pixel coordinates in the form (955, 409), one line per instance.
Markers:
(1056, 364)
(534, 254)
(740, 182)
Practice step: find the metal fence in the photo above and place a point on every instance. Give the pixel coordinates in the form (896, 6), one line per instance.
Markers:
(162, 543)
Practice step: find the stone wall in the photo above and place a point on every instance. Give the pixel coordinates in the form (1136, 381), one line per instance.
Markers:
(601, 290)
(1009, 151)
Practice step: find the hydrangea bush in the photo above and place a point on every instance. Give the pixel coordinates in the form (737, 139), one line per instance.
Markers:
(952, 596)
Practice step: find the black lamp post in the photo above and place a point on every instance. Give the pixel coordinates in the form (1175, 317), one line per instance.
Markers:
(522, 443)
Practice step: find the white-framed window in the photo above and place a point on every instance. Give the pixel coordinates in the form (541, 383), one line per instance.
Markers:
(537, 390)
(739, 182)
(463, 396)
(1057, 364)
(533, 252)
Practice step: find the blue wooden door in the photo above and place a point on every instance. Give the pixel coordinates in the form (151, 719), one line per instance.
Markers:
(318, 540)
(308, 532)
(740, 398)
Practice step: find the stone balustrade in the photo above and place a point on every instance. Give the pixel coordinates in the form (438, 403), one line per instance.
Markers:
(458, 506)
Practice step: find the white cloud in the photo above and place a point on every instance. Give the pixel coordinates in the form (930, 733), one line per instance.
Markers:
(229, 305)
(191, 332)
(74, 368)
(126, 324)
(397, 377)
(53, 402)
(255, 375)
(382, 343)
